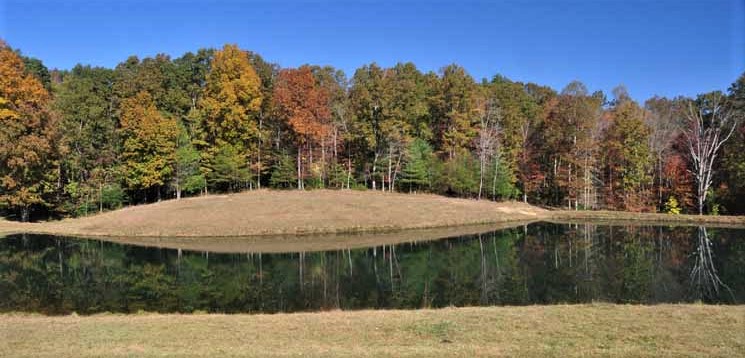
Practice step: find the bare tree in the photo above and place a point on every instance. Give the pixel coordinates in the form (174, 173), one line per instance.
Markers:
(488, 138)
(707, 127)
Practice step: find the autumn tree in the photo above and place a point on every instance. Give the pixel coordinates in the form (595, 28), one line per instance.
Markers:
(368, 99)
(28, 134)
(149, 144)
(568, 150)
(229, 107)
(303, 104)
(453, 111)
(342, 125)
(531, 174)
(519, 117)
(626, 156)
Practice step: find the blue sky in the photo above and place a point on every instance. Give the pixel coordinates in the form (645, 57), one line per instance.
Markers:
(652, 47)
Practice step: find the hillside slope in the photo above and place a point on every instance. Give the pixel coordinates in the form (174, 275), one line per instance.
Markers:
(268, 212)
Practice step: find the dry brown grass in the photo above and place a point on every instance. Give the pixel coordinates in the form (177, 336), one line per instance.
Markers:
(267, 212)
(322, 212)
(629, 218)
(535, 331)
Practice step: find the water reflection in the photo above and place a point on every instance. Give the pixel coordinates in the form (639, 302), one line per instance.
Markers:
(540, 264)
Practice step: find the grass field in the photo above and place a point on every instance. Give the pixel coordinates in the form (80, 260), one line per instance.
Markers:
(320, 212)
(533, 331)
(267, 212)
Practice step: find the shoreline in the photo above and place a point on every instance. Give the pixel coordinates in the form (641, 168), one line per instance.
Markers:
(266, 214)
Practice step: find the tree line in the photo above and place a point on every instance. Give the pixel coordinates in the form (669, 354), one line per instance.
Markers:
(89, 139)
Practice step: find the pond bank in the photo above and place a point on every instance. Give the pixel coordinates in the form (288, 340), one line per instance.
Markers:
(323, 212)
(559, 330)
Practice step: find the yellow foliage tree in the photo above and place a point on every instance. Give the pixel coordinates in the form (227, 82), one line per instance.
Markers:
(230, 104)
(232, 97)
(149, 143)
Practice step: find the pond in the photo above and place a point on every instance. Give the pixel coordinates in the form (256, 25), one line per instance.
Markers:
(540, 263)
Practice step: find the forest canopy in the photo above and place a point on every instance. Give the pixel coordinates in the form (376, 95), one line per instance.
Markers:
(89, 139)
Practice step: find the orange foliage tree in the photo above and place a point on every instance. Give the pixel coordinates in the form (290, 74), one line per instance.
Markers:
(304, 106)
(27, 136)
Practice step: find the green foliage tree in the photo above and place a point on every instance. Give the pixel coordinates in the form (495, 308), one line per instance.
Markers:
(89, 138)
(460, 175)
(186, 174)
(419, 169)
(284, 175)
(733, 153)
(229, 169)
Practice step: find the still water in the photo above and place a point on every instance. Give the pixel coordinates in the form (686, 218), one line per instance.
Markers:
(538, 264)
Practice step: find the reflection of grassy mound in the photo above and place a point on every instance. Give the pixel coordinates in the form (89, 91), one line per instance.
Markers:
(535, 331)
(288, 212)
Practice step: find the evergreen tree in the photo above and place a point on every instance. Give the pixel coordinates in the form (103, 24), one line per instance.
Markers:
(284, 175)
(417, 172)
(186, 174)
(229, 170)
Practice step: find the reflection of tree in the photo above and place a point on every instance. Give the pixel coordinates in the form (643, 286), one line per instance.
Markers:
(547, 263)
(704, 277)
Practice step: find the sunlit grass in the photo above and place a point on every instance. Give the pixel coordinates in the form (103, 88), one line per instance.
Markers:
(536, 331)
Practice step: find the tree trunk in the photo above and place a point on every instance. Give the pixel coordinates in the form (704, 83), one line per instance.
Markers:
(299, 171)
(374, 170)
(481, 174)
(494, 180)
(396, 169)
(390, 163)
(24, 213)
(349, 170)
(258, 156)
(323, 163)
